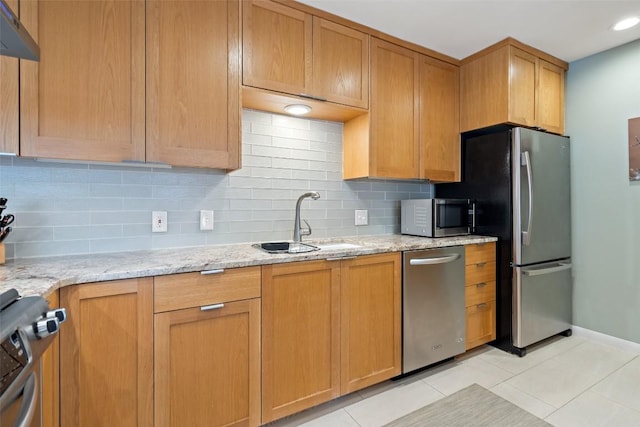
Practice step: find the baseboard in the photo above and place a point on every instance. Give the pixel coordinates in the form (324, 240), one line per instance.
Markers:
(620, 343)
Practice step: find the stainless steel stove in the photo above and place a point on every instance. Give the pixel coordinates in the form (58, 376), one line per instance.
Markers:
(27, 327)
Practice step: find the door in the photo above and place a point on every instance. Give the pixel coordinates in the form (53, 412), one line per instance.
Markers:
(370, 320)
(9, 99)
(542, 197)
(542, 302)
(84, 100)
(300, 336)
(207, 365)
(193, 83)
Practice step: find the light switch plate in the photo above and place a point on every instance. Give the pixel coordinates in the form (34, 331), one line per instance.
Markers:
(159, 221)
(362, 217)
(206, 220)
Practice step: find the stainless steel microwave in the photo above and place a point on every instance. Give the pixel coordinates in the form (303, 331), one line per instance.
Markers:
(437, 217)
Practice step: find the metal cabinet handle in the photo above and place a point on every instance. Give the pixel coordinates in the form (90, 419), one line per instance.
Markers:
(481, 285)
(211, 307)
(434, 260)
(481, 305)
(217, 271)
(481, 264)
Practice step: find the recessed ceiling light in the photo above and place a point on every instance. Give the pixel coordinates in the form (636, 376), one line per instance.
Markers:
(297, 109)
(626, 23)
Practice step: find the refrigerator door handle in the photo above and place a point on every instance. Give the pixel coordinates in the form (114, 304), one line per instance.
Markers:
(526, 161)
(539, 272)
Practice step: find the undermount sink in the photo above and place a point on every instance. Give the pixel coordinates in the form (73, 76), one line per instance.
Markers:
(285, 247)
(297, 248)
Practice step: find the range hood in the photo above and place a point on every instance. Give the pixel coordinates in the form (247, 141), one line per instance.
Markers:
(14, 38)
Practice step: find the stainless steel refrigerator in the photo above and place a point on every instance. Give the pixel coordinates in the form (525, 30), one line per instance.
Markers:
(520, 181)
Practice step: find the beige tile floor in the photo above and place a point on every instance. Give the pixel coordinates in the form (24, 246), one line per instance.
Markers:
(576, 381)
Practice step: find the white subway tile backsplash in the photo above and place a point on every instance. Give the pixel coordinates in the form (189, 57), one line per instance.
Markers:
(75, 208)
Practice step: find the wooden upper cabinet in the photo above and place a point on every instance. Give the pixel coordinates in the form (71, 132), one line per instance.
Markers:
(84, 100)
(340, 63)
(9, 124)
(290, 51)
(394, 146)
(193, 80)
(513, 83)
(439, 120)
(276, 47)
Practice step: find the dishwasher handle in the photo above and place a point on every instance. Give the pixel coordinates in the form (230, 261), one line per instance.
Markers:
(435, 260)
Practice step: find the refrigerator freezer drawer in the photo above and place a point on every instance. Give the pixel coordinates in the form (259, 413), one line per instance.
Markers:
(541, 301)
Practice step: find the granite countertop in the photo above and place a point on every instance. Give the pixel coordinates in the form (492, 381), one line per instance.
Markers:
(41, 276)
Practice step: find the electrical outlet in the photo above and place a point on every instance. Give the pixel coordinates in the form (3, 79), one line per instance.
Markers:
(206, 220)
(362, 217)
(159, 221)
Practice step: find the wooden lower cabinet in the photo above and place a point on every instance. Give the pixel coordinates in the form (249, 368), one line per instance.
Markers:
(51, 374)
(207, 365)
(106, 354)
(480, 293)
(329, 328)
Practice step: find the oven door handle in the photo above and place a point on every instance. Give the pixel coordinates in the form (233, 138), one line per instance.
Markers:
(29, 402)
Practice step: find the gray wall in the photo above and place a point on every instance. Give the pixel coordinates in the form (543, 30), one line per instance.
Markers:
(603, 92)
(64, 208)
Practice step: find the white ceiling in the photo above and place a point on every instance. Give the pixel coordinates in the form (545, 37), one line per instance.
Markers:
(567, 29)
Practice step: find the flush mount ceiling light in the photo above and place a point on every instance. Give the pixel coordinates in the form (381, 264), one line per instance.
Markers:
(626, 23)
(297, 109)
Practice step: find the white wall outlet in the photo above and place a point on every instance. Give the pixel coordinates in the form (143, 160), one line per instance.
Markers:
(159, 221)
(362, 217)
(206, 220)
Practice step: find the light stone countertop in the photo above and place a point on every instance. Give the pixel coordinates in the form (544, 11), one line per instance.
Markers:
(41, 276)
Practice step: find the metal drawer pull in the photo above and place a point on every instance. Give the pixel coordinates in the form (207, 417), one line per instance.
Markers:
(339, 258)
(218, 271)
(481, 285)
(481, 264)
(211, 307)
(481, 305)
(561, 266)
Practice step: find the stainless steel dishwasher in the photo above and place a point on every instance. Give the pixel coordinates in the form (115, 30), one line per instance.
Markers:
(433, 308)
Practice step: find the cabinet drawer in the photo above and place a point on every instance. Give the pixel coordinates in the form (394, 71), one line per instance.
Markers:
(480, 272)
(197, 289)
(481, 252)
(481, 324)
(479, 293)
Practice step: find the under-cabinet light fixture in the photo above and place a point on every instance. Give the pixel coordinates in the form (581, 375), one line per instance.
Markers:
(626, 23)
(297, 109)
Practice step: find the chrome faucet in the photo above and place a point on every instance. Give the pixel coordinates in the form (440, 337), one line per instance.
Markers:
(298, 231)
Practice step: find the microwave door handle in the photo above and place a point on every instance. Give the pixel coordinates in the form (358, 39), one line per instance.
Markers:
(526, 235)
(29, 402)
(434, 260)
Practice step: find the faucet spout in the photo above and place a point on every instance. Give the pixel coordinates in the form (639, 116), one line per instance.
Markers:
(298, 232)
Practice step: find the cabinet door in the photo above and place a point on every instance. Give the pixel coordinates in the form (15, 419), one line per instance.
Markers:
(84, 100)
(193, 83)
(394, 145)
(9, 142)
(276, 47)
(370, 320)
(439, 121)
(522, 89)
(106, 354)
(550, 107)
(207, 366)
(481, 324)
(340, 63)
(300, 336)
